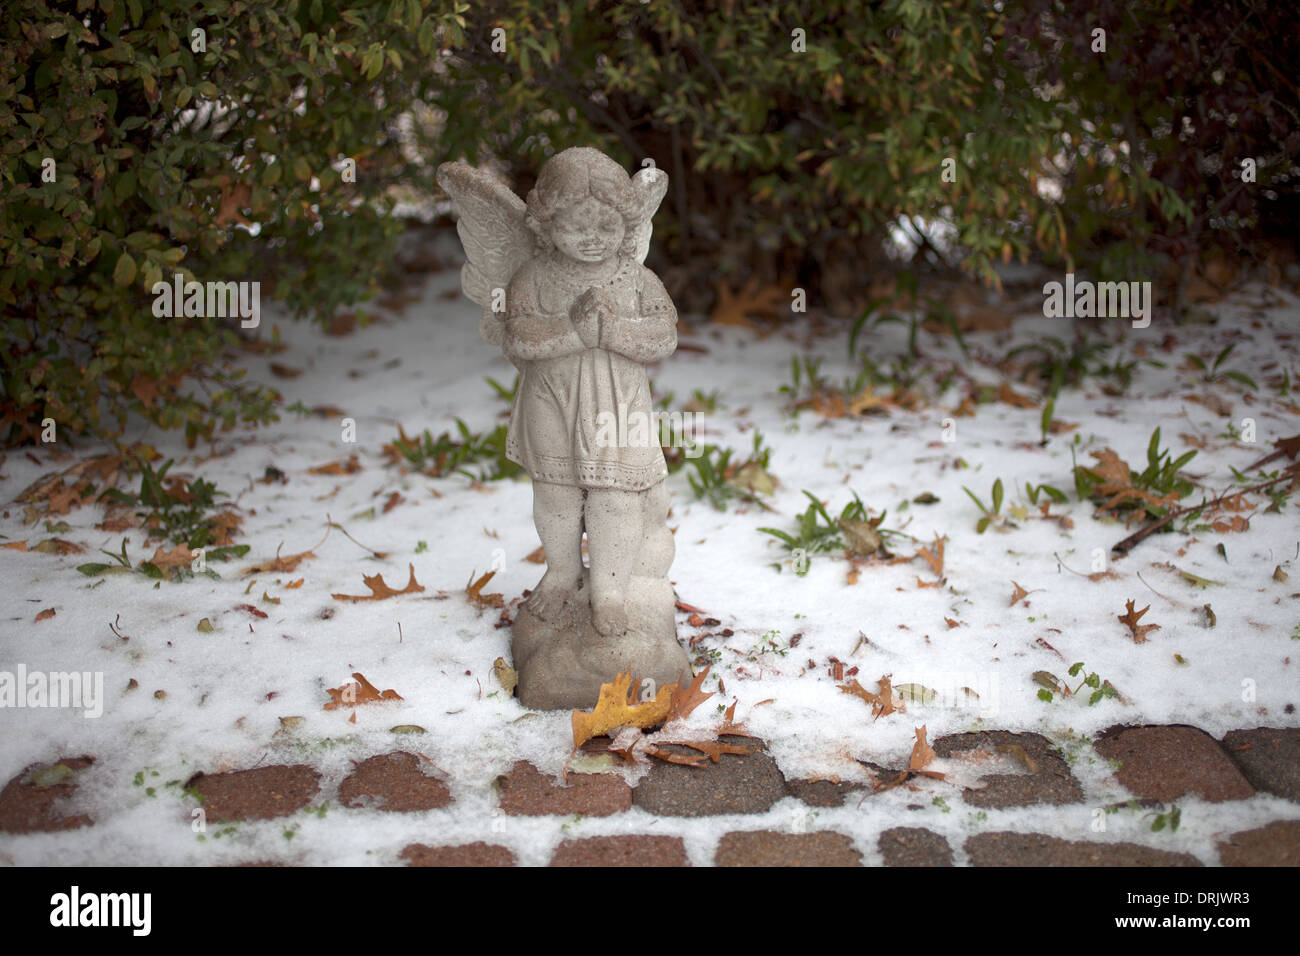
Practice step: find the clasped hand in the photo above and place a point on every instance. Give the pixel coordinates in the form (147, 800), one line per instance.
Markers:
(591, 314)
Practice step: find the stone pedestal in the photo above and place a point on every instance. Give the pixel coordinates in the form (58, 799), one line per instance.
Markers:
(561, 665)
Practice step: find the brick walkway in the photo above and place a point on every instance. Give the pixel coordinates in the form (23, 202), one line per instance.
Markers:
(1256, 770)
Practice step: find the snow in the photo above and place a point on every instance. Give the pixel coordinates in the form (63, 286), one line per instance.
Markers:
(227, 690)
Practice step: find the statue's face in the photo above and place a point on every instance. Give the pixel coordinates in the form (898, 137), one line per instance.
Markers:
(588, 231)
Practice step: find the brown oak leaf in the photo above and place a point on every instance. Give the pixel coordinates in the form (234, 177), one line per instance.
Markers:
(379, 589)
(360, 691)
(1130, 620)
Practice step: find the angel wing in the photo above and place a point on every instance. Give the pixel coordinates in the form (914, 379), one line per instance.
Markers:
(492, 230)
(651, 184)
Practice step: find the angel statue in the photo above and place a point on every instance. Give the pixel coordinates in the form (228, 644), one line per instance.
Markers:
(567, 297)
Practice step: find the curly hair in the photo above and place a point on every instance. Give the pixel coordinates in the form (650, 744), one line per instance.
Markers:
(570, 177)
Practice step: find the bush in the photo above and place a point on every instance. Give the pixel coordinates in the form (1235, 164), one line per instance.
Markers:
(793, 139)
(168, 157)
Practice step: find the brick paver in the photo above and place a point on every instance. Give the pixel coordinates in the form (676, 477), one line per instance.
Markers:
(736, 784)
(1036, 849)
(261, 794)
(1046, 778)
(1269, 758)
(825, 793)
(772, 848)
(467, 854)
(622, 851)
(34, 800)
(914, 846)
(1165, 762)
(393, 782)
(525, 791)
(1277, 844)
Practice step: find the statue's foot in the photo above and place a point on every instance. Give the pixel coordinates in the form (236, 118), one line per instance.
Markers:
(549, 597)
(609, 613)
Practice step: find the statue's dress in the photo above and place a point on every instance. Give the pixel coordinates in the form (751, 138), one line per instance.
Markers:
(571, 397)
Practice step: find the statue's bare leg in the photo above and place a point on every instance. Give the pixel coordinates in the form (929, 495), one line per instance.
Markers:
(613, 535)
(557, 512)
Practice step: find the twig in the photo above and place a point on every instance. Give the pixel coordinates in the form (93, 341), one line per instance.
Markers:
(330, 522)
(1291, 473)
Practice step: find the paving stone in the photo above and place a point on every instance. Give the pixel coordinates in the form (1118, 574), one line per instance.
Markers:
(914, 846)
(1269, 758)
(1046, 777)
(393, 782)
(31, 802)
(622, 851)
(748, 783)
(824, 793)
(1165, 762)
(468, 854)
(525, 791)
(261, 794)
(772, 848)
(1035, 849)
(1277, 844)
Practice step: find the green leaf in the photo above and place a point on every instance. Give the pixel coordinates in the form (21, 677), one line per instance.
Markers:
(124, 271)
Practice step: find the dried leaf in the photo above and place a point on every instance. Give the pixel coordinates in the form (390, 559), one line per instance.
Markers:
(752, 300)
(179, 557)
(349, 467)
(1130, 620)
(379, 589)
(883, 703)
(474, 591)
(617, 707)
(505, 675)
(686, 699)
(279, 564)
(1017, 595)
(922, 753)
(45, 615)
(933, 558)
(360, 691)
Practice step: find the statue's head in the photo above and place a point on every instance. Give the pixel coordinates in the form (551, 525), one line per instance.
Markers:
(584, 204)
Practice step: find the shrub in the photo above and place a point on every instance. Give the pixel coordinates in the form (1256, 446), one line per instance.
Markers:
(221, 160)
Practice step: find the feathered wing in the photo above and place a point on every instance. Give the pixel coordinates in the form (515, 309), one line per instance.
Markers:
(651, 184)
(492, 230)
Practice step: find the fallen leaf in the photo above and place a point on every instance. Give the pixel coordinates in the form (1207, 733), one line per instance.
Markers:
(360, 691)
(1017, 595)
(922, 753)
(45, 615)
(933, 558)
(883, 703)
(505, 675)
(380, 590)
(279, 564)
(616, 707)
(751, 300)
(349, 467)
(179, 557)
(474, 591)
(1130, 620)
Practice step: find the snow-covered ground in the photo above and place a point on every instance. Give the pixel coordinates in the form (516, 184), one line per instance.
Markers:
(227, 690)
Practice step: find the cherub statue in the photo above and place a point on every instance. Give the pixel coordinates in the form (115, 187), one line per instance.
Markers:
(567, 297)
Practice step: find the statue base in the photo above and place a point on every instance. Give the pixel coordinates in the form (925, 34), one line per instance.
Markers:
(562, 664)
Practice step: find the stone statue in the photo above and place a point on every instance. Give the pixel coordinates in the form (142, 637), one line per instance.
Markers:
(567, 297)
